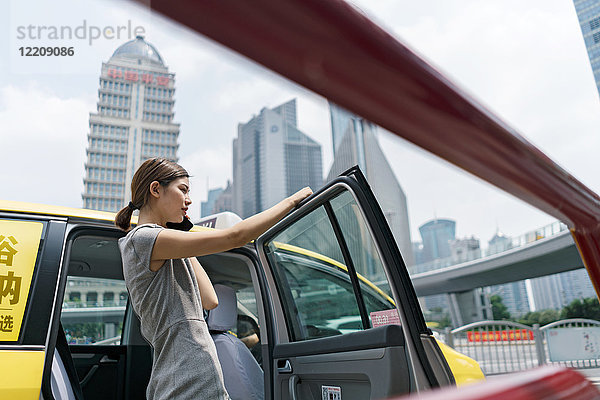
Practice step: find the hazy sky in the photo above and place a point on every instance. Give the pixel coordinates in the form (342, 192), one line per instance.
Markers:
(525, 61)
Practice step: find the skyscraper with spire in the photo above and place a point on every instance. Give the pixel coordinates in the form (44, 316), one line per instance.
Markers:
(133, 122)
(355, 143)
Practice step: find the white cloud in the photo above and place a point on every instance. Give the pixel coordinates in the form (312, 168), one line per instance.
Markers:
(526, 62)
(43, 142)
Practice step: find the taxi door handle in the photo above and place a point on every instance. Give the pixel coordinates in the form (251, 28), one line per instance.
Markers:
(107, 360)
(286, 368)
(293, 382)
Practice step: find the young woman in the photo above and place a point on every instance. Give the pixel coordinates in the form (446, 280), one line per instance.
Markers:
(168, 287)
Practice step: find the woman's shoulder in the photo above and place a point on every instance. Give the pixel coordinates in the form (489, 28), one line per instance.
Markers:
(137, 228)
(140, 232)
(137, 245)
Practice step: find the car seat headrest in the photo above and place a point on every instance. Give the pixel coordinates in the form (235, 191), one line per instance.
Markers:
(224, 316)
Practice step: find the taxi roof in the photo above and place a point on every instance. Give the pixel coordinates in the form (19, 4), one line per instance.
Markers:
(69, 212)
(45, 209)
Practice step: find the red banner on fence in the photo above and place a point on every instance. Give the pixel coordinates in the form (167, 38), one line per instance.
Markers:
(499, 336)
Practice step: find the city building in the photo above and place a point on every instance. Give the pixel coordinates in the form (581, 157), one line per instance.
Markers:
(133, 122)
(514, 294)
(588, 13)
(499, 243)
(206, 207)
(575, 285)
(84, 292)
(463, 250)
(437, 235)
(355, 143)
(558, 290)
(547, 292)
(514, 297)
(417, 248)
(225, 200)
(272, 159)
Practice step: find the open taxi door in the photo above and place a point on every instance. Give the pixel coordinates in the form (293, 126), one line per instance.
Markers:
(346, 321)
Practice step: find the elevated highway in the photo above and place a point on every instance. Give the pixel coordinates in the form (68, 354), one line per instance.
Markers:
(531, 258)
(547, 256)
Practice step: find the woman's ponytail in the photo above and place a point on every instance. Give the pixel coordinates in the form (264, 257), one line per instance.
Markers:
(123, 218)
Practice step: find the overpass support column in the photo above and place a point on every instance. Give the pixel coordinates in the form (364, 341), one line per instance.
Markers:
(470, 306)
(455, 314)
(109, 330)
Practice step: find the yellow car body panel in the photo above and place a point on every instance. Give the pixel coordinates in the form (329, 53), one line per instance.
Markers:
(464, 368)
(21, 374)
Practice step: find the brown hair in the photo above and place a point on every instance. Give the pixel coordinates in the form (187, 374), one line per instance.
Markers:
(154, 169)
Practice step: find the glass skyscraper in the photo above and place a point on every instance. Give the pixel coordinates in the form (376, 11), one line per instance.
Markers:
(437, 235)
(206, 207)
(133, 122)
(513, 294)
(355, 143)
(588, 13)
(272, 159)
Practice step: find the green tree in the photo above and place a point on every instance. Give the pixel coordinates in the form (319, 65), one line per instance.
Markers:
(542, 317)
(548, 316)
(586, 308)
(445, 321)
(530, 318)
(499, 310)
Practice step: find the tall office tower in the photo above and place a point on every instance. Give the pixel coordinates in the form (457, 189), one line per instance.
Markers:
(206, 207)
(355, 143)
(547, 292)
(558, 290)
(463, 250)
(514, 297)
(417, 248)
(576, 285)
(514, 294)
(224, 201)
(272, 159)
(499, 243)
(588, 13)
(437, 235)
(133, 122)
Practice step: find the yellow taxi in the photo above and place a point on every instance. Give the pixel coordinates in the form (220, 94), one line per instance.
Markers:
(67, 330)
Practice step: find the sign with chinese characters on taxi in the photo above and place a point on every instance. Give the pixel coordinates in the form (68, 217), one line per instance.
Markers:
(19, 242)
(385, 317)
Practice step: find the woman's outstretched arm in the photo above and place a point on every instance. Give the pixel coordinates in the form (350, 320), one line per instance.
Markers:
(172, 244)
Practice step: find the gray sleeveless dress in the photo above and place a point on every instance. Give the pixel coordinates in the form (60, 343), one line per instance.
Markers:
(185, 364)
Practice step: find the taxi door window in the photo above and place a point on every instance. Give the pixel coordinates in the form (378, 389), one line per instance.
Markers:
(374, 285)
(313, 282)
(329, 273)
(93, 310)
